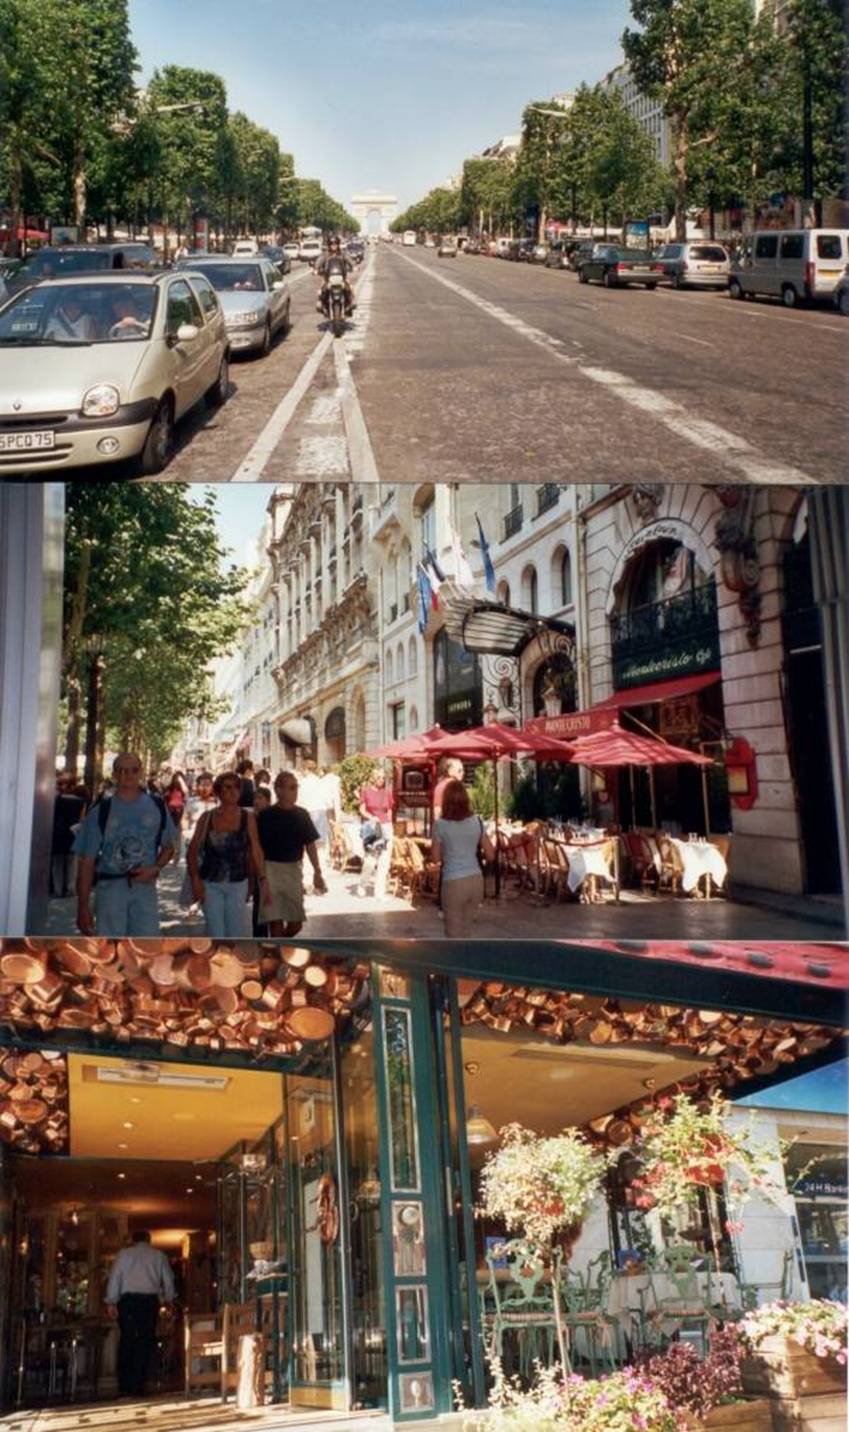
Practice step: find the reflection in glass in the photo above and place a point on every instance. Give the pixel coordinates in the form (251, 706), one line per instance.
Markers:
(399, 1081)
(315, 1279)
(411, 1323)
(359, 1096)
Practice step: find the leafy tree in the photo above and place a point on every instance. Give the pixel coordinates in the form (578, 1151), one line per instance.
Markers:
(257, 155)
(687, 54)
(288, 212)
(23, 24)
(487, 194)
(354, 771)
(539, 167)
(438, 212)
(622, 173)
(190, 109)
(146, 589)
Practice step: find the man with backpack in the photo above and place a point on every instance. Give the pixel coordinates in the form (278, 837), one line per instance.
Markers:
(126, 839)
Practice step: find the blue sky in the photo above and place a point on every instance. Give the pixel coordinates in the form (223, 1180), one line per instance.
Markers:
(824, 1091)
(384, 94)
(240, 511)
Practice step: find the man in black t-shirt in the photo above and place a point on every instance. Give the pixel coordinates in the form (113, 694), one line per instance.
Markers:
(285, 832)
(245, 769)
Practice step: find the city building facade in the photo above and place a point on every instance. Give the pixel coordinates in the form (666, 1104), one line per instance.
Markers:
(649, 112)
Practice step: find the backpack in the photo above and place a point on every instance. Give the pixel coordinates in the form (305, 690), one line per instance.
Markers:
(104, 805)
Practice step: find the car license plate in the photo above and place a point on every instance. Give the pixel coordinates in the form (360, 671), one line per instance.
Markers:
(336, 280)
(709, 268)
(26, 442)
(640, 268)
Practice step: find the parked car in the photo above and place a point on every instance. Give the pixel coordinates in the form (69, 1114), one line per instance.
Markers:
(277, 255)
(615, 267)
(559, 254)
(841, 293)
(245, 248)
(292, 250)
(472, 246)
(538, 254)
(583, 251)
(255, 299)
(101, 367)
(447, 247)
(67, 259)
(698, 265)
(499, 247)
(790, 264)
(524, 251)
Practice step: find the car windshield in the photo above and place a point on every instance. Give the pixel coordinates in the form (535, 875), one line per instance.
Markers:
(708, 252)
(72, 315)
(55, 263)
(634, 256)
(225, 277)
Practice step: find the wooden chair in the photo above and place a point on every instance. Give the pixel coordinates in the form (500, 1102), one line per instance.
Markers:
(557, 872)
(342, 856)
(202, 1345)
(642, 860)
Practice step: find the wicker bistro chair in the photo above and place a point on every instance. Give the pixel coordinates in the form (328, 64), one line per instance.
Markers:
(671, 867)
(644, 865)
(524, 1307)
(342, 854)
(556, 868)
(585, 1298)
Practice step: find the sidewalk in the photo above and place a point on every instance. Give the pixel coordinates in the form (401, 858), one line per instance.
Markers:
(751, 915)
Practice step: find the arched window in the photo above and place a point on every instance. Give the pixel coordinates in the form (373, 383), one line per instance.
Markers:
(400, 674)
(405, 577)
(414, 718)
(530, 590)
(503, 593)
(390, 669)
(412, 658)
(561, 576)
(359, 721)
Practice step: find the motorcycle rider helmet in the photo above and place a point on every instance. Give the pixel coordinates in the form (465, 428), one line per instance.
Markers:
(335, 244)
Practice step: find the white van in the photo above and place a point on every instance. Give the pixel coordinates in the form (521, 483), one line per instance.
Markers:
(790, 264)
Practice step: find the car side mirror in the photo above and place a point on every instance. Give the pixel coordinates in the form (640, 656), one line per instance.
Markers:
(277, 285)
(187, 332)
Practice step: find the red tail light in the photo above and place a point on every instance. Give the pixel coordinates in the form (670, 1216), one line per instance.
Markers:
(658, 268)
(620, 268)
(810, 275)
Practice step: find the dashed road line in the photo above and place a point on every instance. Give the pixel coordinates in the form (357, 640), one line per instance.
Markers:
(703, 342)
(726, 446)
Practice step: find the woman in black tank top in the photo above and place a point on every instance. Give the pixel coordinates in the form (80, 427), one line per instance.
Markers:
(223, 858)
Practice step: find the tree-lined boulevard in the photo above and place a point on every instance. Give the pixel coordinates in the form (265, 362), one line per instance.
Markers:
(487, 371)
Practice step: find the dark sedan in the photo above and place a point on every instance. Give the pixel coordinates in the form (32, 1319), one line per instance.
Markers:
(615, 267)
(277, 255)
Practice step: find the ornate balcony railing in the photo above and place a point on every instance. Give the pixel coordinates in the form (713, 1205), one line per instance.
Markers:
(676, 637)
(513, 521)
(547, 497)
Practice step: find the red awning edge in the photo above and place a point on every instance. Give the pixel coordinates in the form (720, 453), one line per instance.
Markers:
(658, 691)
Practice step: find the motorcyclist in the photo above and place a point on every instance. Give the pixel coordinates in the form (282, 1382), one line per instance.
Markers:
(334, 261)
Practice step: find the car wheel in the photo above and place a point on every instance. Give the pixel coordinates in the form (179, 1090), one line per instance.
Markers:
(789, 296)
(651, 287)
(608, 280)
(843, 303)
(734, 289)
(266, 339)
(582, 278)
(286, 322)
(677, 281)
(217, 394)
(159, 443)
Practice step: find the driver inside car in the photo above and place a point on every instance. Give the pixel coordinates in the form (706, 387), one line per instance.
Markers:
(125, 322)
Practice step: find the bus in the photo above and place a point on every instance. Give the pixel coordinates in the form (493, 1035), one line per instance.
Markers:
(409, 238)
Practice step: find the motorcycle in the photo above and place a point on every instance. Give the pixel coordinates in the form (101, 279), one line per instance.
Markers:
(334, 303)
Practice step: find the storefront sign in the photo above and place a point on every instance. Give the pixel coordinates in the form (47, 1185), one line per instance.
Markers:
(821, 1187)
(683, 660)
(457, 685)
(574, 723)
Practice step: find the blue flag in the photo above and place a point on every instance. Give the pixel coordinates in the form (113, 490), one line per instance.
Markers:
(425, 598)
(488, 569)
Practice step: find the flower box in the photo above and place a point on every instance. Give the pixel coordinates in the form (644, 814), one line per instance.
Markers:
(781, 1367)
(824, 1412)
(751, 1416)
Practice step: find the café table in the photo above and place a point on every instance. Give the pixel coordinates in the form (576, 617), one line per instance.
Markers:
(700, 861)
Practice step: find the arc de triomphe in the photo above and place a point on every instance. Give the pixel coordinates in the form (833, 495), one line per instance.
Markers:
(375, 210)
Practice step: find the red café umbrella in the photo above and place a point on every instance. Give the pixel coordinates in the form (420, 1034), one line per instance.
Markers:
(608, 750)
(491, 742)
(417, 744)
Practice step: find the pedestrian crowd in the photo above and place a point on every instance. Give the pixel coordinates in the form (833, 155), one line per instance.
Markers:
(244, 838)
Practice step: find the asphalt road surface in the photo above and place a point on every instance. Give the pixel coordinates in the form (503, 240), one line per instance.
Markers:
(473, 369)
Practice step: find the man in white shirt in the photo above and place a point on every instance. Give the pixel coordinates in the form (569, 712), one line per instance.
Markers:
(139, 1280)
(69, 321)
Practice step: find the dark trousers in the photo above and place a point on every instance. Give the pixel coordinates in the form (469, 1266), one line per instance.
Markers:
(137, 1315)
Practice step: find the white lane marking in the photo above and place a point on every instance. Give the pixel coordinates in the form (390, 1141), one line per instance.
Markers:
(690, 339)
(360, 453)
(725, 445)
(325, 409)
(252, 466)
(322, 455)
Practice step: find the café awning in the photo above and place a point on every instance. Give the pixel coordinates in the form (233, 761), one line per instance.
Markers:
(601, 715)
(490, 628)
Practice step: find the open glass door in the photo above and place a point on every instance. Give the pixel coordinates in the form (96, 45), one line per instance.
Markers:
(317, 1354)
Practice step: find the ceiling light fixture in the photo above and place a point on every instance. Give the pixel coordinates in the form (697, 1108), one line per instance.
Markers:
(478, 1128)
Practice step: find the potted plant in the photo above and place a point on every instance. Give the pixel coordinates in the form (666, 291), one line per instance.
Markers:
(626, 1401)
(796, 1349)
(542, 1190)
(708, 1392)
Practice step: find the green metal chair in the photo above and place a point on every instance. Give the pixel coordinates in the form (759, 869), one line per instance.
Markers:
(691, 1304)
(523, 1306)
(585, 1297)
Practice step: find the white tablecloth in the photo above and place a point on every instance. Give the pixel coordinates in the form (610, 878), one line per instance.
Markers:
(625, 1291)
(700, 858)
(586, 860)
